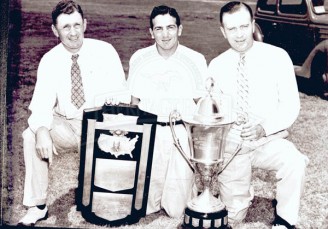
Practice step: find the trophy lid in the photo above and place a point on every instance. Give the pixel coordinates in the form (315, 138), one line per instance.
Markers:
(208, 107)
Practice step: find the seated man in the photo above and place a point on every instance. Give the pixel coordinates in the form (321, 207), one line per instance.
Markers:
(76, 74)
(260, 81)
(164, 77)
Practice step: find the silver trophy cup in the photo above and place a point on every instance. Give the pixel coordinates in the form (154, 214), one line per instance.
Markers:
(207, 131)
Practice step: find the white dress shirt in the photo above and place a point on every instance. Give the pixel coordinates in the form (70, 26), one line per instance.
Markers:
(273, 93)
(102, 76)
(163, 85)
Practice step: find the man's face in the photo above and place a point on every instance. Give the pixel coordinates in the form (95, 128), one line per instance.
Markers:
(165, 32)
(238, 29)
(70, 29)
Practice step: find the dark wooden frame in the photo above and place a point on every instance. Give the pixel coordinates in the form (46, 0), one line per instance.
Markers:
(92, 126)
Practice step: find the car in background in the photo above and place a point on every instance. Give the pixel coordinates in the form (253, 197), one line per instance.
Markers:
(301, 28)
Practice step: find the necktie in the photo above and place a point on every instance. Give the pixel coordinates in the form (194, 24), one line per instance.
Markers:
(77, 94)
(242, 93)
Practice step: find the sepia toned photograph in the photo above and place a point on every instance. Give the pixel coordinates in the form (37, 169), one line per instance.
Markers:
(164, 114)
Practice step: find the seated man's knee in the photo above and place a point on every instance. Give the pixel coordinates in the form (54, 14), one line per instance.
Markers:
(63, 138)
(294, 159)
(28, 135)
(293, 155)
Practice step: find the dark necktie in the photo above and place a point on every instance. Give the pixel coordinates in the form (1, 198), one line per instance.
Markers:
(77, 94)
(242, 93)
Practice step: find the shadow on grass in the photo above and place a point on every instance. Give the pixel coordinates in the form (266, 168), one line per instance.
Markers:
(261, 210)
(60, 210)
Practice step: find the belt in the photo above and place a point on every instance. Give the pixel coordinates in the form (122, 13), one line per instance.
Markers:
(168, 123)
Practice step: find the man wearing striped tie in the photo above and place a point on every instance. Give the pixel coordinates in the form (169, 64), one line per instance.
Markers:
(258, 79)
(77, 73)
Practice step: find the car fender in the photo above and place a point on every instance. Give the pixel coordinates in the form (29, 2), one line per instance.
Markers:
(258, 35)
(305, 69)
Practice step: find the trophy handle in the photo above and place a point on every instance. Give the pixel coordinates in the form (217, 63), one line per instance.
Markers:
(230, 159)
(175, 116)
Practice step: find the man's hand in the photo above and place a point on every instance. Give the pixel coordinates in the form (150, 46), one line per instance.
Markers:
(44, 145)
(251, 132)
(112, 101)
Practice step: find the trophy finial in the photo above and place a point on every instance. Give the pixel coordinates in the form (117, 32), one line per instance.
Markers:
(208, 110)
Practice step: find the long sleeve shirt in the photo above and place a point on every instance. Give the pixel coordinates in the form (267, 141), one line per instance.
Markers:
(163, 85)
(102, 76)
(273, 93)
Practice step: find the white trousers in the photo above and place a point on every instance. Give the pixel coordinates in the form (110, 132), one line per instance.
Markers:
(278, 155)
(172, 179)
(66, 136)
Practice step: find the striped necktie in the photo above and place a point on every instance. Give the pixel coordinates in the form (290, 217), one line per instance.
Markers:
(242, 93)
(77, 94)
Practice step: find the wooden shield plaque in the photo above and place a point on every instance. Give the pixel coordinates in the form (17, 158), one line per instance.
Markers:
(115, 164)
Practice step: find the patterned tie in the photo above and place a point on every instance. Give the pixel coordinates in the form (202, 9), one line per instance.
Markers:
(77, 94)
(242, 94)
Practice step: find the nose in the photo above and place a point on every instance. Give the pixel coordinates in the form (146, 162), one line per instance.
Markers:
(239, 33)
(165, 32)
(73, 31)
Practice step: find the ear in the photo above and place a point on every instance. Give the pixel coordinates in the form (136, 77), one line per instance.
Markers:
(84, 24)
(54, 30)
(180, 30)
(151, 33)
(223, 32)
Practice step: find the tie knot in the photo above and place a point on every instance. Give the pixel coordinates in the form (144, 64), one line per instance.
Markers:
(241, 60)
(242, 57)
(74, 57)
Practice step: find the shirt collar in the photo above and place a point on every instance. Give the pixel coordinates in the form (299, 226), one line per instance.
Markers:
(174, 54)
(69, 54)
(248, 53)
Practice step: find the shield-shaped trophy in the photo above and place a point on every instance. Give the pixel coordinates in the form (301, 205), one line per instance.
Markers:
(207, 131)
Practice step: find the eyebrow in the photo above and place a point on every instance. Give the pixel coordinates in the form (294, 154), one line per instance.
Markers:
(75, 23)
(170, 25)
(245, 24)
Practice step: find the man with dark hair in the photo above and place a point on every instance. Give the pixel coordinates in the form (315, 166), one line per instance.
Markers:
(76, 74)
(164, 77)
(259, 80)
(162, 10)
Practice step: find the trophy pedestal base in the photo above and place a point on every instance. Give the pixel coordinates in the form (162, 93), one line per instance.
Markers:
(193, 219)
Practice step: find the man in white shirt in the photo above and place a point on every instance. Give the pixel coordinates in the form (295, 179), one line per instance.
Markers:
(56, 120)
(260, 82)
(164, 77)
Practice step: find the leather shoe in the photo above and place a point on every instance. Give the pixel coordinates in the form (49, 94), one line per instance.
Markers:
(33, 215)
(278, 227)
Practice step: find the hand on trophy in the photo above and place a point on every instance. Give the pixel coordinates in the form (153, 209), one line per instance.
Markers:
(251, 132)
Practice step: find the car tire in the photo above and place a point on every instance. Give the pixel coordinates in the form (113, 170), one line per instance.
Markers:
(319, 74)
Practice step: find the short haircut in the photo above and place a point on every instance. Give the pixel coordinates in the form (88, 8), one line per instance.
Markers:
(234, 6)
(162, 10)
(65, 7)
